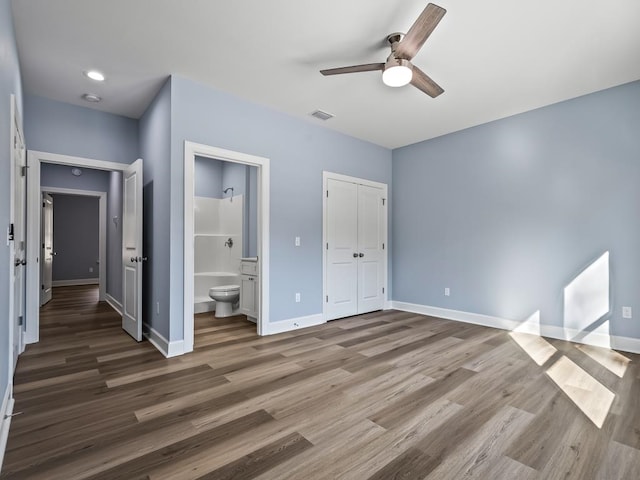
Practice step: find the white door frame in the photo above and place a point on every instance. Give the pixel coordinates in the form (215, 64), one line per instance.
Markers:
(102, 242)
(34, 210)
(326, 176)
(191, 150)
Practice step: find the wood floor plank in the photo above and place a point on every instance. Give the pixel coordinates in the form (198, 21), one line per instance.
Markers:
(383, 395)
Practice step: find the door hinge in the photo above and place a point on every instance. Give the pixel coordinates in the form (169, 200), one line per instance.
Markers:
(20, 320)
(383, 200)
(382, 289)
(327, 193)
(10, 235)
(327, 245)
(327, 299)
(23, 171)
(383, 246)
(42, 287)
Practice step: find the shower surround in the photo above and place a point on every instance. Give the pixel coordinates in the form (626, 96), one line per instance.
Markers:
(217, 246)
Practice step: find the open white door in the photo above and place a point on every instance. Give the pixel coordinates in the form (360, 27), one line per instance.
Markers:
(18, 248)
(47, 254)
(132, 250)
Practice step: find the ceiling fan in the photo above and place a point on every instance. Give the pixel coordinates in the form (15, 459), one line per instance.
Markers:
(398, 70)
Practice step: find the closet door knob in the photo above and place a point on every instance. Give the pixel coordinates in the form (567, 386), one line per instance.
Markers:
(361, 255)
(355, 255)
(134, 259)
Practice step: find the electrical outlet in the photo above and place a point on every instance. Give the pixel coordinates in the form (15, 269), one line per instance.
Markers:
(626, 312)
(297, 241)
(298, 297)
(447, 291)
(90, 269)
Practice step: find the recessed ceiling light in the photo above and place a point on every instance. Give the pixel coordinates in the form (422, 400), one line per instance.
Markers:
(95, 75)
(91, 97)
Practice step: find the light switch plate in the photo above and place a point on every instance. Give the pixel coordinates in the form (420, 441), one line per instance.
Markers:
(626, 312)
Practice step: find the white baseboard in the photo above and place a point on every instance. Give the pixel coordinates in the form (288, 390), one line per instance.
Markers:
(294, 324)
(77, 281)
(5, 419)
(116, 305)
(167, 348)
(596, 339)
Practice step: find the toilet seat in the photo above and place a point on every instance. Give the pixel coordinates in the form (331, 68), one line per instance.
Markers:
(225, 288)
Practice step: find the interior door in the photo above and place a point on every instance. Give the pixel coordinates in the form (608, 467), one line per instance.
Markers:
(342, 249)
(47, 254)
(355, 260)
(19, 242)
(370, 249)
(132, 250)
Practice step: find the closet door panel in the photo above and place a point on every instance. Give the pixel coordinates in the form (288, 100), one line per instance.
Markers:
(342, 243)
(370, 249)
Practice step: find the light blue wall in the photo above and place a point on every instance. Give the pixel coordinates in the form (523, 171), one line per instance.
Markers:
(57, 127)
(59, 176)
(76, 234)
(208, 177)
(508, 213)
(10, 83)
(299, 151)
(155, 149)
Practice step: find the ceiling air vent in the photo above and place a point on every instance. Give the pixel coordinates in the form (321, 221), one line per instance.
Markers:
(322, 115)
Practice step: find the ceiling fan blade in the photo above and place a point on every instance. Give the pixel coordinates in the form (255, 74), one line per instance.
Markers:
(423, 82)
(368, 67)
(420, 31)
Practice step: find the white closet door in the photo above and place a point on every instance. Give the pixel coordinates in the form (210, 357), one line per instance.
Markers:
(370, 249)
(342, 250)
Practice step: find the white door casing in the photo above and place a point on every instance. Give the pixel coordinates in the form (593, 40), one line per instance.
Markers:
(132, 259)
(355, 237)
(34, 210)
(191, 150)
(47, 255)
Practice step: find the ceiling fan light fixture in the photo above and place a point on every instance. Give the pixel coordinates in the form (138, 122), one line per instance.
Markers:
(397, 73)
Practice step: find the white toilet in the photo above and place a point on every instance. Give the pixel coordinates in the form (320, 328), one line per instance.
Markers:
(225, 296)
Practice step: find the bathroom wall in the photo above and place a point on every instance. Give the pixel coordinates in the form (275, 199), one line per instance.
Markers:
(208, 177)
(213, 176)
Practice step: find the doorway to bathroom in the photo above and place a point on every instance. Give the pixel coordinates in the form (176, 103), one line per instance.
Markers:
(226, 254)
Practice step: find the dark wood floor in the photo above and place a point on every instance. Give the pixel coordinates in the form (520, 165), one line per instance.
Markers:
(381, 396)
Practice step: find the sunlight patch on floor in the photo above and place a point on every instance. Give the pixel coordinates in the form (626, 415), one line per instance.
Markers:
(589, 395)
(535, 346)
(613, 361)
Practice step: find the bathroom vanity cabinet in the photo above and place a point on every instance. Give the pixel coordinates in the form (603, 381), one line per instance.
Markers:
(249, 287)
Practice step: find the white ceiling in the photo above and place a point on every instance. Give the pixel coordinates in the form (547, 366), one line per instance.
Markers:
(494, 58)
